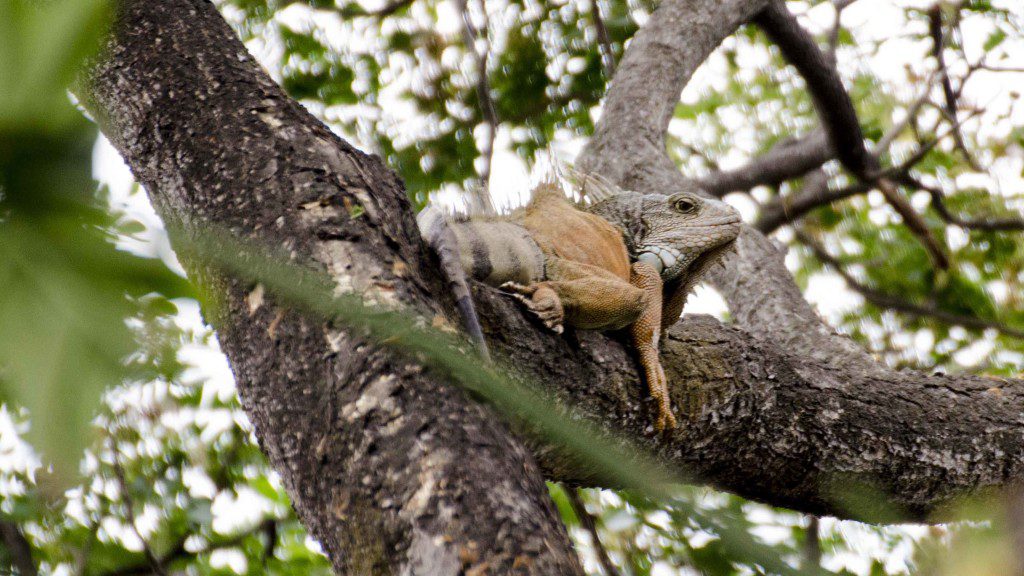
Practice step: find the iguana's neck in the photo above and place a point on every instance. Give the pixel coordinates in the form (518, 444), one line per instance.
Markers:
(625, 212)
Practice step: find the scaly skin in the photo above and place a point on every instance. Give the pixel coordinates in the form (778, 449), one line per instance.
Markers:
(627, 261)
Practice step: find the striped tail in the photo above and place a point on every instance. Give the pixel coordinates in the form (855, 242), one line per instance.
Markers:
(435, 230)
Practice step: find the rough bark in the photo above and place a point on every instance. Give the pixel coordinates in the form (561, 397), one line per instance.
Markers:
(389, 467)
(394, 470)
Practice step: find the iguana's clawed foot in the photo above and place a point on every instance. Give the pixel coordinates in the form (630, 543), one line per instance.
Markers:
(657, 384)
(540, 300)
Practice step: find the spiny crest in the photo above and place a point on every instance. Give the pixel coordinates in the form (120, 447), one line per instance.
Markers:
(549, 176)
(584, 189)
(590, 187)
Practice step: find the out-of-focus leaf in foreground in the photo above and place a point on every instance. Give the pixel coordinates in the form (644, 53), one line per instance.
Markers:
(64, 287)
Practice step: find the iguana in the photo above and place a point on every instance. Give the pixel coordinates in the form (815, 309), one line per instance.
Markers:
(616, 260)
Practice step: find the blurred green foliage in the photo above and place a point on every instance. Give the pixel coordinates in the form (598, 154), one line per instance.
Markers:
(66, 287)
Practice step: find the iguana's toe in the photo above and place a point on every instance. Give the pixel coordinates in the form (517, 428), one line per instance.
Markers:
(517, 289)
(541, 301)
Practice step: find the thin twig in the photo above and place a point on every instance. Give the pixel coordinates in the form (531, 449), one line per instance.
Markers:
(938, 203)
(994, 68)
(389, 8)
(812, 547)
(890, 135)
(154, 562)
(938, 51)
(913, 221)
(590, 525)
(897, 304)
(470, 35)
(604, 40)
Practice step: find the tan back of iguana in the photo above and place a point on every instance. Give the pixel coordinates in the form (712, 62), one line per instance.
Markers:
(562, 230)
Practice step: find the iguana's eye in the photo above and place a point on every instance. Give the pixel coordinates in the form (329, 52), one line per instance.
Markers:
(684, 205)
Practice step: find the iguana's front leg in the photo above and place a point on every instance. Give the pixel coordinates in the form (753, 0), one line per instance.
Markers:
(646, 332)
(582, 296)
(589, 297)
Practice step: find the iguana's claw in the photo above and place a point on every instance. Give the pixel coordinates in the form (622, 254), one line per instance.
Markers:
(541, 301)
(666, 421)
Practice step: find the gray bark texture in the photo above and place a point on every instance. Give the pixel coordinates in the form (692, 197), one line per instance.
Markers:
(395, 470)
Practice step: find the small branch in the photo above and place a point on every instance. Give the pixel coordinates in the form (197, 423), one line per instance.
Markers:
(178, 552)
(814, 193)
(270, 531)
(18, 547)
(837, 27)
(896, 304)
(913, 221)
(129, 503)
(389, 8)
(835, 108)
(811, 563)
(838, 115)
(938, 203)
(82, 555)
(604, 40)
(587, 521)
(789, 158)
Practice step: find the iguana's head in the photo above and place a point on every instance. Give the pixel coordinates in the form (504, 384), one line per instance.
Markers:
(674, 234)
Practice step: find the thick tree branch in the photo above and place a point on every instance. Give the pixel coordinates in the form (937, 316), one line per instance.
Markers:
(786, 429)
(762, 298)
(629, 142)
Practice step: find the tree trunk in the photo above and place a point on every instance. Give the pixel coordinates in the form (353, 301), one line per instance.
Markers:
(390, 468)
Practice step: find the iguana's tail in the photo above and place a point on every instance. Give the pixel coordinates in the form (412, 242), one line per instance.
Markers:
(435, 230)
